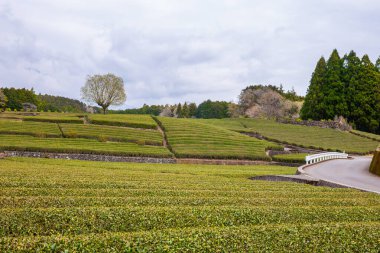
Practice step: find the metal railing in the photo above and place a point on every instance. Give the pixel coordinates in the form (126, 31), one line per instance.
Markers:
(310, 159)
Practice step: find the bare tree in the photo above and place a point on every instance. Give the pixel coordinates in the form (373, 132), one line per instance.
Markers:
(104, 90)
(167, 112)
(267, 103)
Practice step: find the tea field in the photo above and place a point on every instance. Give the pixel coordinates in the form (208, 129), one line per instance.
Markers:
(192, 138)
(114, 133)
(49, 205)
(303, 136)
(79, 146)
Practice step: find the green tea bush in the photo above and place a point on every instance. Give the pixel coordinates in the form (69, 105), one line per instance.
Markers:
(290, 158)
(114, 133)
(190, 138)
(38, 129)
(79, 145)
(123, 120)
(303, 136)
(49, 205)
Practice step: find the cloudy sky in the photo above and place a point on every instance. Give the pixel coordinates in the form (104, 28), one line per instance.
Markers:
(170, 51)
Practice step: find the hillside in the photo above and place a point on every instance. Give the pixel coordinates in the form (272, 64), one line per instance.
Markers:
(303, 136)
(190, 138)
(59, 104)
(139, 135)
(63, 205)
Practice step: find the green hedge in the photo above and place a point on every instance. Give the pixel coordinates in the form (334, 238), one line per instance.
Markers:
(290, 158)
(122, 124)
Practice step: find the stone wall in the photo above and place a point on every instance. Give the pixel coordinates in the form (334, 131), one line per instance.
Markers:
(88, 157)
(339, 123)
(375, 164)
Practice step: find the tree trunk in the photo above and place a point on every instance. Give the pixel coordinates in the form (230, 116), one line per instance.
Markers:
(104, 110)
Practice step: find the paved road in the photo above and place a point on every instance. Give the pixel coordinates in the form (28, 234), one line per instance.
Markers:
(350, 172)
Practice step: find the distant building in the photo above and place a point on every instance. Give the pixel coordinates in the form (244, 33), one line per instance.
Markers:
(29, 107)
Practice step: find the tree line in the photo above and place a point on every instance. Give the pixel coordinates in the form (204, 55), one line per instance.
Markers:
(11, 99)
(348, 87)
(207, 109)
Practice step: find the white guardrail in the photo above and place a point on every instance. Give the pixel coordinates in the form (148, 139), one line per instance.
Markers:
(310, 159)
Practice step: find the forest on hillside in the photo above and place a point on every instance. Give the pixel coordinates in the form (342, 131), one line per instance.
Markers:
(14, 98)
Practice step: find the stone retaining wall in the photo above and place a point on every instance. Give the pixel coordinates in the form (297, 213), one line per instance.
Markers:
(107, 158)
(298, 179)
(340, 123)
(88, 157)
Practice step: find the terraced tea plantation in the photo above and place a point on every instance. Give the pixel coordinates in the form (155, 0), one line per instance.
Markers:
(192, 138)
(125, 120)
(309, 137)
(29, 128)
(71, 135)
(126, 134)
(74, 206)
(290, 158)
(375, 137)
(79, 146)
(44, 117)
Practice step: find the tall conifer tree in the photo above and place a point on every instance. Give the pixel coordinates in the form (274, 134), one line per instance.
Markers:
(334, 102)
(185, 111)
(367, 97)
(179, 111)
(349, 87)
(351, 79)
(377, 65)
(311, 108)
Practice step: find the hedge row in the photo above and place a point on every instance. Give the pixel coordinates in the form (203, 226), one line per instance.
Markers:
(79, 146)
(290, 158)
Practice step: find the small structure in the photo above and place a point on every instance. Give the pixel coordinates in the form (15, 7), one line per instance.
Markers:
(29, 107)
(310, 159)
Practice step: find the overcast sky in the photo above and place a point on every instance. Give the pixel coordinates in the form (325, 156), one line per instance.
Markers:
(170, 51)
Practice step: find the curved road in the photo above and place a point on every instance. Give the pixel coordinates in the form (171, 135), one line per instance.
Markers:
(350, 172)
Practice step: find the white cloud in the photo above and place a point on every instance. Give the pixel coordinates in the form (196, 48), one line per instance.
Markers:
(171, 51)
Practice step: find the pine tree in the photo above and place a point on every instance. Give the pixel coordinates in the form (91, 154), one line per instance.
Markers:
(351, 79)
(179, 111)
(334, 102)
(192, 109)
(365, 113)
(185, 111)
(349, 87)
(312, 106)
(377, 65)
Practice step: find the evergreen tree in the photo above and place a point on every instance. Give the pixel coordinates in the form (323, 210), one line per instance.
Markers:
(351, 79)
(349, 87)
(366, 99)
(16, 97)
(312, 107)
(192, 109)
(185, 111)
(179, 111)
(212, 109)
(377, 65)
(334, 102)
